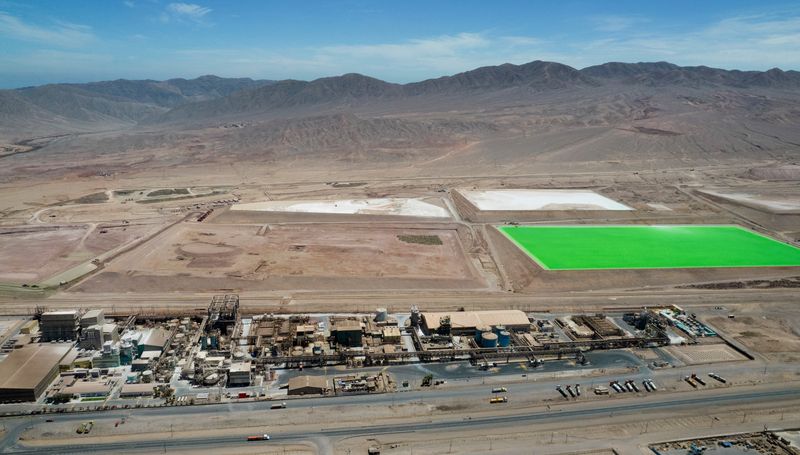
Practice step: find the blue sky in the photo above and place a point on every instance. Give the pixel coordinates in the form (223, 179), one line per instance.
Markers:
(400, 41)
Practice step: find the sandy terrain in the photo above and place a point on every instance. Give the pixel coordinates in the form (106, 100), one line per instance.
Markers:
(705, 353)
(30, 254)
(206, 256)
(774, 335)
(776, 203)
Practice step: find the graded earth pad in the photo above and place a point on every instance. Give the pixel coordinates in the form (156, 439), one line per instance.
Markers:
(649, 247)
(201, 257)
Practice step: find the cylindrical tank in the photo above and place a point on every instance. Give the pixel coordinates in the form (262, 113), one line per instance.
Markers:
(211, 379)
(498, 328)
(147, 376)
(503, 339)
(381, 314)
(479, 330)
(488, 340)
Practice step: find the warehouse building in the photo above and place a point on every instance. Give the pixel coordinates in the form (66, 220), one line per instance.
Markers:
(309, 385)
(138, 390)
(466, 322)
(95, 336)
(26, 372)
(346, 331)
(92, 317)
(239, 374)
(85, 389)
(59, 325)
(155, 340)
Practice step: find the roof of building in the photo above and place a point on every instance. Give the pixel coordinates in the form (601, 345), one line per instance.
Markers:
(92, 314)
(240, 367)
(306, 328)
(149, 355)
(86, 388)
(138, 388)
(26, 367)
(316, 382)
(60, 313)
(156, 337)
(472, 319)
(341, 325)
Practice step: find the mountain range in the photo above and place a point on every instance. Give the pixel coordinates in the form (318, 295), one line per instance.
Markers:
(119, 104)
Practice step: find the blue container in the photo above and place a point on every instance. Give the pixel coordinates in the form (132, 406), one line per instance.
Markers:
(488, 340)
(504, 339)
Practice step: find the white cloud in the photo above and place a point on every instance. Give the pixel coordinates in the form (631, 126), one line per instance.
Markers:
(62, 34)
(186, 11)
(616, 23)
(129, 3)
(742, 42)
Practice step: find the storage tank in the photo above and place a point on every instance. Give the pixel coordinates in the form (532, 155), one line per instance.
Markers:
(147, 376)
(498, 329)
(479, 330)
(503, 339)
(488, 340)
(381, 314)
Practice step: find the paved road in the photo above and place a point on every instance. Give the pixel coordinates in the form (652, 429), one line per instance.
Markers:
(654, 402)
(367, 301)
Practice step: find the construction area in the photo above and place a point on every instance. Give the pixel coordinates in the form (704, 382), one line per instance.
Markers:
(763, 443)
(275, 256)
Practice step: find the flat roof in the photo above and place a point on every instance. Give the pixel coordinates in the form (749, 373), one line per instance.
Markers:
(92, 314)
(26, 367)
(317, 382)
(138, 388)
(156, 337)
(342, 325)
(240, 367)
(472, 319)
(85, 388)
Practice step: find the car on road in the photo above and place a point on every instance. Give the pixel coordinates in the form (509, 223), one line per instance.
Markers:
(495, 400)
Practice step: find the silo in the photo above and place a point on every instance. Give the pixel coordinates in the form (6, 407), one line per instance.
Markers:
(504, 339)
(479, 330)
(488, 340)
(498, 329)
(381, 314)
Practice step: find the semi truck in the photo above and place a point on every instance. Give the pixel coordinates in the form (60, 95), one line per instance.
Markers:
(259, 437)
